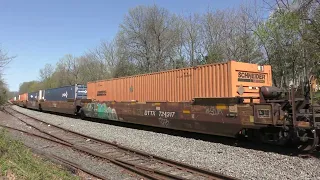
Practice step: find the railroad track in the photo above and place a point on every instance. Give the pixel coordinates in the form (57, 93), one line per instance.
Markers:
(140, 163)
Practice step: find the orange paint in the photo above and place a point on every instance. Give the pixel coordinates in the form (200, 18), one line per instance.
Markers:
(23, 97)
(212, 80)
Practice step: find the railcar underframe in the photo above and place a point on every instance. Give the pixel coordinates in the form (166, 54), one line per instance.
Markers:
(274, 119)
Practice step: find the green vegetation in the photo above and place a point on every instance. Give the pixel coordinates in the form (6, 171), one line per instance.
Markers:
(152, 39)
(17, 160)
(317, 97)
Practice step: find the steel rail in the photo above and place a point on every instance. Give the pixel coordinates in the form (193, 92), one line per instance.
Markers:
(152, 173)
(81, 149)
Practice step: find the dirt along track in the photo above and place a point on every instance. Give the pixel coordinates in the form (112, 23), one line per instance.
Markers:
(139, 163)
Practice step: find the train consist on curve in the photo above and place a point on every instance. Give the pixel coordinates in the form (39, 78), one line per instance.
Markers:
(232, 99)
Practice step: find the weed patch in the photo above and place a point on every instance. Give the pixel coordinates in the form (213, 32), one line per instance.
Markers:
(18, 161)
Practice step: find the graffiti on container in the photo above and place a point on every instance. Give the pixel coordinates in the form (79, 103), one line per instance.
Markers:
(164, 122)
(149, 113)
(213, 111)
(103, 111)
(54, 104)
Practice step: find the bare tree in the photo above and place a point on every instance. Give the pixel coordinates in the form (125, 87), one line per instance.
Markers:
(91, 68)
(228, 35)
(46, 72)
(46, 76)
(192, 41)
(68, 70)
(148, 36)
(214, 25)
(5, 59)
(105, 55)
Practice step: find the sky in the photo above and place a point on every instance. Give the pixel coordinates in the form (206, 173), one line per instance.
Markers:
(39, 32)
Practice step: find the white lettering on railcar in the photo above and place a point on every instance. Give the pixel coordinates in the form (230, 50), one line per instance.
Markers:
(166, 114)
(149, 113)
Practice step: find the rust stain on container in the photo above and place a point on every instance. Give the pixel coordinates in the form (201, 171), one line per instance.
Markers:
(212, 80)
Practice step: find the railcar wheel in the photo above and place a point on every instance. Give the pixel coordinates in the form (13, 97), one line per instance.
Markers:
(310, 145)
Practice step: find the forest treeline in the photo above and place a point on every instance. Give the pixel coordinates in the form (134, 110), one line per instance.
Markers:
(152, 39)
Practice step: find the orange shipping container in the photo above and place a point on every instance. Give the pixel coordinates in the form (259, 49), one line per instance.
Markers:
(23, 97)
(212, 80)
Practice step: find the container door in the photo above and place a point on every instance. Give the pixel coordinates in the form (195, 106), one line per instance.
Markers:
(81, 92)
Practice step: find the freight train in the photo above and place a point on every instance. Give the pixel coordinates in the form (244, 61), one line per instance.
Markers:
(232, 99)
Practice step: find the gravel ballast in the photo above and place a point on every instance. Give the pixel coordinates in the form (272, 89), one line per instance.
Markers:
(108, 170)
(234, 161)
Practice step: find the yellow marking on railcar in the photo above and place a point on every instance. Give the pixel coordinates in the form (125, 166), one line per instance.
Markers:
(251, 119)
(221, 106)
(156, 104)
(186, 112)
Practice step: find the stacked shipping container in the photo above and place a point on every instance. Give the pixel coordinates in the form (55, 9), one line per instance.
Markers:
(23, 97)
(66, 92)
(212, 80)
(56, 94)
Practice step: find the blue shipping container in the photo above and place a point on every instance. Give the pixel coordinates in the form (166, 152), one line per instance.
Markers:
(66, 92)
(33, 96)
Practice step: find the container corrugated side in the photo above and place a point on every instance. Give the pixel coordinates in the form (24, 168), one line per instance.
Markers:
(59, 94)
(23, 97)
(66, 92)
(212, 80)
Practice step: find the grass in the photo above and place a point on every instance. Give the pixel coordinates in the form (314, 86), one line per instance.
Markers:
(18, 162)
